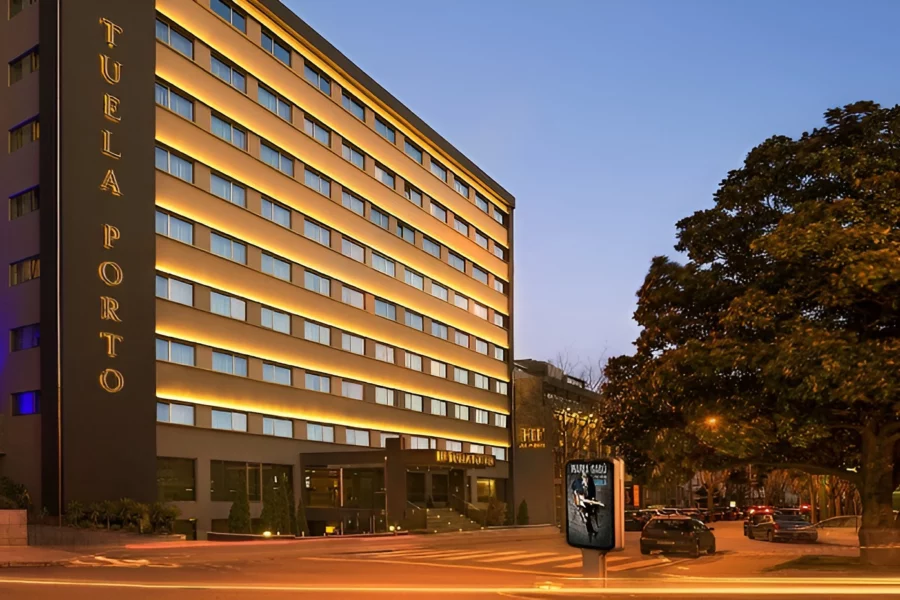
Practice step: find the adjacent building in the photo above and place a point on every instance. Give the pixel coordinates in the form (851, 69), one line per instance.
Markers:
(236, 260)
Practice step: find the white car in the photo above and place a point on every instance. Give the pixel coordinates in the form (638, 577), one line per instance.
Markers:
(839, 531)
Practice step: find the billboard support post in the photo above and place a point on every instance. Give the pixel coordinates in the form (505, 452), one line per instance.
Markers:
(593, 564)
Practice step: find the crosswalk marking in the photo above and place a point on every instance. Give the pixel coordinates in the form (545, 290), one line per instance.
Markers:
(470, 555)
(518, 560)
(421, 552)
(634, 565)
(577, 563)
(544, 561)
(516, 556)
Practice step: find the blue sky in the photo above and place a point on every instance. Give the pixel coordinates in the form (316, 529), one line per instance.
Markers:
(609, 121)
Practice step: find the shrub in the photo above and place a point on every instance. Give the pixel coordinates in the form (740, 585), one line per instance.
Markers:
(8, 504)
(302, 524)
(162, 517)
(16, 492)
(522, 515)
(496, 512)
(74, 513)
(239, 515)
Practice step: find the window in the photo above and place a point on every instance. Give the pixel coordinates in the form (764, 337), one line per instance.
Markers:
(500, 285)
(461, 187)
(277, 320)
(228, 74)
(317, 283)
(174, 165)
(481, 347)
(174, 101)
(481, 203)
(385, 265)
(412, 402)
(168, 35)
(317, 182)
(499, 251)
(353, 203)
(27, 63)
(277, 267)
(438, 407)
(353, 297)
(480, 311)
(385, 130)
(460, 375)
(439, 291)
(480, 274)
(413, 195)
(500, 320)
(353, 343)
(355, 107)
(481, 416)
(414, 320)
(499, 216)
(27, 132)
(384, 396)
(438, 212)
(23, 338)
(384, 353)
(24, 270)
(385, 309)
(499, 353)
(422, 443)
(23, 203)
(387, 436)
(273, 46)
(276, 213)
(275, 158)
(439, 171)
(414, 152)
(352, 389)
(406, 232)
(476, 448)
(499, 453)
(413, 361)
(174, 352)
(178, 414)
(481, 239)
(439, 369)
(316, 131)
(439, 330)
(457, 262)
(454, 446)
(317, 233)
(229, 421)
(385, 176)
(227, 190)
(317, 79)
(481, 382)
(276, 374)
(314, 332)
(229, 363)
(318, 383)
(227, 306)
(379, 218)
(431, 247)
(461, 339)
(461, 302)
(354, 156)
(502, 387)
(229, 13)
(353, 250)
(278, 427)
(500, 420)
(174, 228)
(460, 412)
(461, 226)
(319, 433)
(357, 437)
(26, 403)
(174, 290)
(414, 279)
(274, 103)
(229, 132)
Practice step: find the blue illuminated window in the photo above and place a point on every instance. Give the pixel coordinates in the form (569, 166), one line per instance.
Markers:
(26, 403)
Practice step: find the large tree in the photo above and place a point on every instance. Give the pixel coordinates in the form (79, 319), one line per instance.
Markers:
(777, 341)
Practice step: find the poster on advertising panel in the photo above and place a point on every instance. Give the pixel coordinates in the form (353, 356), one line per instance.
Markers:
(595, 504)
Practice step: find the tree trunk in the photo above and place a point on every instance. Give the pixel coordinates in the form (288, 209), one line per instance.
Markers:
(879, 542)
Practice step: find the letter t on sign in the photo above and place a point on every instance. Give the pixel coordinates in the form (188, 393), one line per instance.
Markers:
(111, 30)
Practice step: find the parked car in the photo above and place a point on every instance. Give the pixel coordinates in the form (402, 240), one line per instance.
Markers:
(783, 528)
(754, 519)
(634, 520)
(840, 531)
(677, 534)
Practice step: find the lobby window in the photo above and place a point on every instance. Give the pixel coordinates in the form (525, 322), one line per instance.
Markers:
(385, 265)
(23, 203)
(317, 79)
(318, 383)
(422, 443)
(480, 311)
(352, 389)
(414, 279)
(357, 437)
(228, 190)
(500, 216)
(23, 338)
(276, 267)
(457, 262)
(481, 203)
(413, 195)
(27, 63)
(387, 436)
(319, 433)
(385, 131)
(413, 151)
(431, 247)
(24, 270)
(354, 155)
(461, 226)
(499, 453)
(460, 375)
(174, 228)
(277, 320)
(226, 478)
(500, 252)
(439, 330)
(438, 407)
(178, 414)
(316, 131)
(178, 104)
(353, 343)
(173, 352)
(169, 36)
(224, 362)
(439, 291)
(499, 353)
(412, 402)
(379, 218)
(229, 421)
(481, 346)
(317, 283)
(406, 232)
(461, 339)
(173, 164)
(353, 105)
(384, 353)
(486, 489)
(413, 361)
(438, 212)
(278, 427)
(276, 374)
(274, 103)
(500, 420)
(276, 213)
(454, 446)
(353, 203)
(502, 387)
(384, 396)
(227, 306)
(438, 369)
(353, 250)
(461, 302)
(317, 182)
(174, 290)
(229, 132)
(481, 416)
(414, 320)
(480, 274)
(385, 176)
(476, 448)
(460, 412)
(438, 170)
(25, 133)
(175, 479)
(481, 382)
(275, 158)
(461, 187)
(317, 233)
(500, 285)
(26, 403)
(275, 47)
(500, 320)
(319, 334)
(230, 75)
(353, 297)
(385, 309)
(481, 239)
(230, 14)
(228, 248)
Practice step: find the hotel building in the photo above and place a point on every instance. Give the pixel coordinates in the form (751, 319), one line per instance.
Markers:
(236, 260)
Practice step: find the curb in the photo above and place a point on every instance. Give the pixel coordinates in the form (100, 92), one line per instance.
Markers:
(37, 563)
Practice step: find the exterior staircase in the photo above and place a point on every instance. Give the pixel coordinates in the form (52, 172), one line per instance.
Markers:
(443, 520)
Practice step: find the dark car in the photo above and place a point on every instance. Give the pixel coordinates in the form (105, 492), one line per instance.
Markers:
(677, 534)
(634, 520)
(784, 528)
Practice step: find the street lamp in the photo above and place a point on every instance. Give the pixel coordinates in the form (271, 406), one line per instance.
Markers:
(712, 421)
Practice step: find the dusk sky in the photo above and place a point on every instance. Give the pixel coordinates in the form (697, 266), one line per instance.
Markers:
(609, 121)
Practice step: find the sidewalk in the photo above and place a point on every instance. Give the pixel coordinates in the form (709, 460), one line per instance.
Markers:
(31, 556)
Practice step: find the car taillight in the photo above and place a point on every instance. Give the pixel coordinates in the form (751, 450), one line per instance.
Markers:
(777, 526)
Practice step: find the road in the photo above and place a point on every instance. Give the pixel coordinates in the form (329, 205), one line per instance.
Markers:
(524, 563)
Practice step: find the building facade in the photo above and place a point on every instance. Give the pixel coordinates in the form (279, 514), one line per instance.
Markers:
(231, 251)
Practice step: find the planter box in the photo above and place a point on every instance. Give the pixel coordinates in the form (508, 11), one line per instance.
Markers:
(13, 528)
